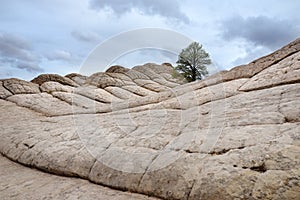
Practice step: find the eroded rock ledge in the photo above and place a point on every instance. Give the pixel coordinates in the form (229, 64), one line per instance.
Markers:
(19, 182)
(234, 135)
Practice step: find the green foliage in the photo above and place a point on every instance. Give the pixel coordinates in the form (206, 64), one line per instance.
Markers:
(192, 62)
(178, 76)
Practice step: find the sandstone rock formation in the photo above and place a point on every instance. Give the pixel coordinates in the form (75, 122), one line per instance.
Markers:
(19, 182)
(53, 77)
(234, 135)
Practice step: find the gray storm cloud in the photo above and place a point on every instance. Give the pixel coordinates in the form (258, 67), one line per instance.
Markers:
(15, 47)
(261, 30)
(16, 52)
(30, 67)
(165, 8)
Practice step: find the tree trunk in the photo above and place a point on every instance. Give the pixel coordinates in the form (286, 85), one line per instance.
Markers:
(193, 73)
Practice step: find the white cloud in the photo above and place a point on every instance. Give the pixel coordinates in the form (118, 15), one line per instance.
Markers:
(86, 36)
(59, 55)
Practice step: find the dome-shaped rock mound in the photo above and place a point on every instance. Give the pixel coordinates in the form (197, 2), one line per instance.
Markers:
(168, 64)
(17, 86)
(233, 135)
(53, 77)
(117, 69)
(77, 78)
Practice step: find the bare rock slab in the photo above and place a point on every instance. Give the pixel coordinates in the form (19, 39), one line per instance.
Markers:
(19, 182)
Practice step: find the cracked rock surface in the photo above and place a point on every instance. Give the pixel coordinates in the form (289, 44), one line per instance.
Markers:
(233, 135)
(25, 183)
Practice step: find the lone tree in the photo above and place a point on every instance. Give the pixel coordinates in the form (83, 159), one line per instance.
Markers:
(192, 62)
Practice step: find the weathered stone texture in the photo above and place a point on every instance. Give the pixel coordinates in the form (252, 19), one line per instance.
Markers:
(234, 135)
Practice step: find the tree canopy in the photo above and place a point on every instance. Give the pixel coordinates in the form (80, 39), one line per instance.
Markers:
(192, 62)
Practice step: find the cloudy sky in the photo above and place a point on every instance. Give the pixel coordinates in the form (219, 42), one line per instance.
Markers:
(57, 36)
